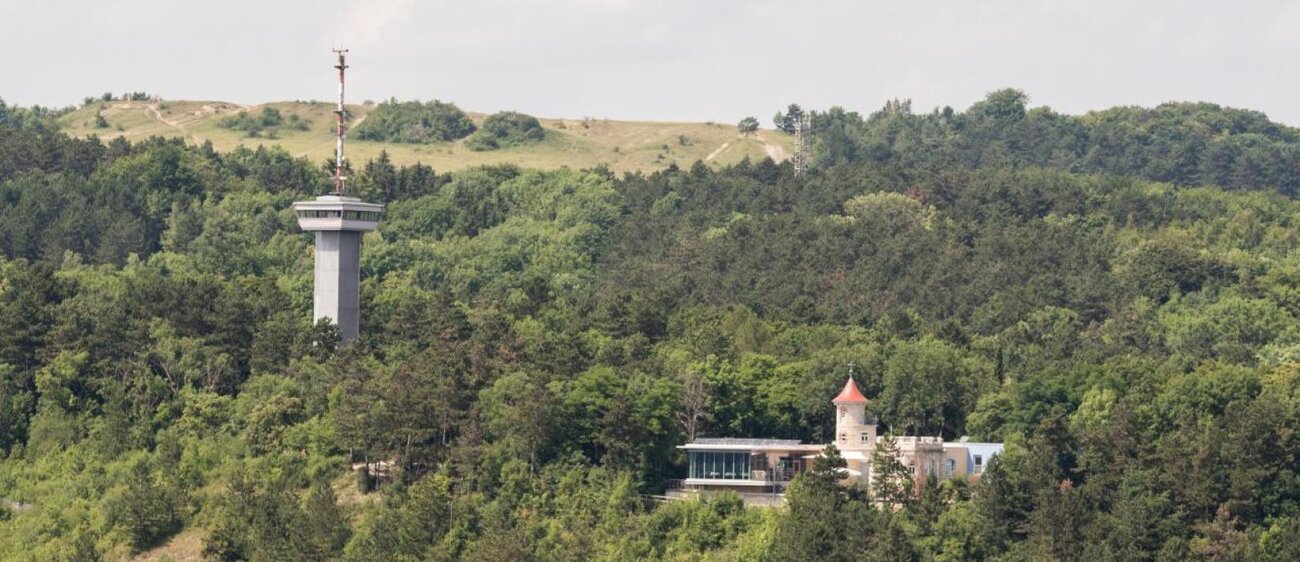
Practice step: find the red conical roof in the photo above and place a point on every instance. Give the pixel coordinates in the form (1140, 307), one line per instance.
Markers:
(850, 394)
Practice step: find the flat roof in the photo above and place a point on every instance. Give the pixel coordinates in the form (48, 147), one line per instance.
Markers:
(333, 202)
(745, 444)
(722, 482)
(744, 441)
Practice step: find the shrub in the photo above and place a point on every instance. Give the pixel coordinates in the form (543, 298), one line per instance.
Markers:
(506, 128)
(297, 123)
(267, 121)
(415, 122)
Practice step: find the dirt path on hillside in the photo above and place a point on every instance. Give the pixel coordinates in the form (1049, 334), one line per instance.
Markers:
(719, 150)
(152, 109)
(774, 152)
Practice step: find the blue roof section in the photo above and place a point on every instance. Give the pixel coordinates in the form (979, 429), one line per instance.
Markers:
(983, 448)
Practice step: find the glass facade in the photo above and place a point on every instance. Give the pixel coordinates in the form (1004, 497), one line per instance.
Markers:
(348, 215)
(720, 465)
(361, 215)
(318, 214)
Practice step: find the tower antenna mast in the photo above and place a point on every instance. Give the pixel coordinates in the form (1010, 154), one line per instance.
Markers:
(341, 131)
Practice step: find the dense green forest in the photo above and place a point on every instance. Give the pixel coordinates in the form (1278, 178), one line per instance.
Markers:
(1179, 143)
(1124, 322)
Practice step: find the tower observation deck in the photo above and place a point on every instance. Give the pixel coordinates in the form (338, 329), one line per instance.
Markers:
(339, 223)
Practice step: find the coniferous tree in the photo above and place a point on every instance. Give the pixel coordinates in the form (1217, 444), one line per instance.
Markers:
(891, 481)
(149, 510)
(325, 524)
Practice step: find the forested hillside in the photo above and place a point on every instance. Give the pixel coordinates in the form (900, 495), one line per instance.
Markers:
(532, 340)
(1181, 143)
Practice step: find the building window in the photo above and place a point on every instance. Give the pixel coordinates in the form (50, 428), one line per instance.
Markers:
(952, 467)
(844, 438)
(720, 465)
(318, 214)
(843, 413)
(361, 215)
(865, 437)
(979, 464)
(348, 215)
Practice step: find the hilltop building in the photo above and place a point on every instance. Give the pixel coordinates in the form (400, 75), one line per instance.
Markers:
(760, 469)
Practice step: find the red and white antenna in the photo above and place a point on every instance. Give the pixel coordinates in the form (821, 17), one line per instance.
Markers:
(341, 131)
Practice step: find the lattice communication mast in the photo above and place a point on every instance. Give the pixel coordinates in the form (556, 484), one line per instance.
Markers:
(341, 131)
(802, 143)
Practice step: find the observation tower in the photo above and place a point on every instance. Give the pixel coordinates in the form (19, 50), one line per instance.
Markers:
(338, 222)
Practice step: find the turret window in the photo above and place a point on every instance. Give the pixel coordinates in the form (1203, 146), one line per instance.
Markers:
(844, 438)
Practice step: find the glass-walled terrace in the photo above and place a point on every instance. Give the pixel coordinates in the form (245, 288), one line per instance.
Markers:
(724, 465)
(334, 214)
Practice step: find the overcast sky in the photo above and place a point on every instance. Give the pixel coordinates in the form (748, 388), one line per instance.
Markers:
(661, 59)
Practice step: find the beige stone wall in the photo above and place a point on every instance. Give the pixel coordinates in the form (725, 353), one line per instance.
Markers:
(960, 458)
(924, 455)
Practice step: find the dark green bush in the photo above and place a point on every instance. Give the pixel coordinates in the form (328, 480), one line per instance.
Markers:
(415, 122)
(506, 128)
(264, 124)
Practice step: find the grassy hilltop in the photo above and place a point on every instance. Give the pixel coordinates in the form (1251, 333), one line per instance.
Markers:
(620, 145)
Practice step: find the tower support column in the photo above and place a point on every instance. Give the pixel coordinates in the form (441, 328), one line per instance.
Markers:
(338, 280)
(338, 223)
